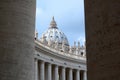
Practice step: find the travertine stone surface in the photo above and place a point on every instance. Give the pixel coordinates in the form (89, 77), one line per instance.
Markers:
(17, 22)
(103, 39)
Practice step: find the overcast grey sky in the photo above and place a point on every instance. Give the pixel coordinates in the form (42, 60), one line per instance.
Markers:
(68, 14)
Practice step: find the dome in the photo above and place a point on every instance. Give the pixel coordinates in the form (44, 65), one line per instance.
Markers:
(54, 34)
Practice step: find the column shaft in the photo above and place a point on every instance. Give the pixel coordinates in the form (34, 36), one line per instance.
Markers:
(77, 75)
(49, 72)
(36, 69)
(85, 75)
(63, 75)
(42, 69)
(55, 73)
(17, 26)
(70, 74)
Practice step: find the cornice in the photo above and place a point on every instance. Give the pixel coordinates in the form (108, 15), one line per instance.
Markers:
(57, 54)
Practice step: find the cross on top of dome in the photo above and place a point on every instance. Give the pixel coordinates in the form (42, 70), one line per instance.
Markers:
(53, 23)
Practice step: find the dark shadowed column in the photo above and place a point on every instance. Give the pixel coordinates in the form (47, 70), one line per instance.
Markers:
(17, 23)
(103, 39)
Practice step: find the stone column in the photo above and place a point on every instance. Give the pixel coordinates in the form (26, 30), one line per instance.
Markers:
(102, 26)
(70, 74)
(77, 75)
(55, 73)
(85, 75)
(36, 69)
(49, 72)
(42, 70)
(63, 75)
(17, 27)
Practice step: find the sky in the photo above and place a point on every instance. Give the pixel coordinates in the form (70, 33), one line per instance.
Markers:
(68, 14)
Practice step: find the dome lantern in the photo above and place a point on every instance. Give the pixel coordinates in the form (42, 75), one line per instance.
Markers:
(53, 23)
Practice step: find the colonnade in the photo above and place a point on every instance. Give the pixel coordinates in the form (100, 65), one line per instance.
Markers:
(48, 71)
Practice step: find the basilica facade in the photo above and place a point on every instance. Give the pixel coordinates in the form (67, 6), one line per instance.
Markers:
(55, 59)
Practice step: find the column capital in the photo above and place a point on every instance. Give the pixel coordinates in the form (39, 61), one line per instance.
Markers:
(63, 67)
(42, 62)
(56, 65)
(48, 63)
(70, 68)
(78, 69)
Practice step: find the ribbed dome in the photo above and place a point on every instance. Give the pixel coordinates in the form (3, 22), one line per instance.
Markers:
(54, 34)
